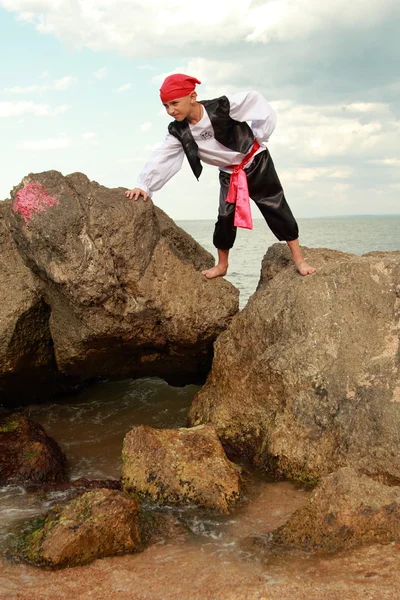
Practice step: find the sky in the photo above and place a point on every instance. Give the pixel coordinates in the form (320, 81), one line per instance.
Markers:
(80, 79)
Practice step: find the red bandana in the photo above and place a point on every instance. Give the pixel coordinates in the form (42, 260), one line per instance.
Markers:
(177, 86)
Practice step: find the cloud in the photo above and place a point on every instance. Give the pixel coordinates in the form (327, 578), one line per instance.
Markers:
(59, 85)
(333, 131)
(365, 107)
(123, 88)
(392, 162)
(285, 19)
(146, 126)
(312, 174)
(306, 50)
(101, 73)
(59, 143)
(19, 108)
(89, 138)
(126, 26)
(64, 83)
(134, 159)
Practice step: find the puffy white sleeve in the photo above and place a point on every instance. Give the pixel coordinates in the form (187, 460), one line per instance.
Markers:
(163, 164)
(252, 107)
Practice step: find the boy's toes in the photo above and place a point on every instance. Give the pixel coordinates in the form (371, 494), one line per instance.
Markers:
(305, 269)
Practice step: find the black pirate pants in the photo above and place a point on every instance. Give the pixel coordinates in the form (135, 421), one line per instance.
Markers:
(266, 191)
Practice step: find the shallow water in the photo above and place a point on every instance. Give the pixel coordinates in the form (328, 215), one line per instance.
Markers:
(219, 557)
(90, 429)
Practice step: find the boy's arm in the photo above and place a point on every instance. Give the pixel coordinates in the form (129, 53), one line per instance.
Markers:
(163, 164)
(252, 106)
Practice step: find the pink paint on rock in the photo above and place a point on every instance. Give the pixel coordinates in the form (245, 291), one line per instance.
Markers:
(33, 198)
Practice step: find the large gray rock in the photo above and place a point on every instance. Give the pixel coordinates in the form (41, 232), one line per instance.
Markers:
(180, 466)
(121, 279)
(344, 510)
(306, 379)
(26, 351)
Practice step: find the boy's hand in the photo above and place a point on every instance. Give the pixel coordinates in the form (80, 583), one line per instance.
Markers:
(135, 193)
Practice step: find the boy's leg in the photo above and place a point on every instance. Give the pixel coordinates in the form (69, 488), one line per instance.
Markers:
(301, 265)
(266, 191)
(224, 232)
(221, 268)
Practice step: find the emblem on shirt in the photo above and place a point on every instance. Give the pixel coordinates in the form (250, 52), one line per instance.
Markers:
(206, 135)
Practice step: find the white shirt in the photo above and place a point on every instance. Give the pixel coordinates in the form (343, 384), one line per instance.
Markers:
(167, 159)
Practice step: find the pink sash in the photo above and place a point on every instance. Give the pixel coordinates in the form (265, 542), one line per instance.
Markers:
(239, 192)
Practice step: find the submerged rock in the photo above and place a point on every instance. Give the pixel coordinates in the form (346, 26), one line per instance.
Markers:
(344, 510)
(307, 377)
(28, 454)
(98, 523)
(180, 466)
(121, 280)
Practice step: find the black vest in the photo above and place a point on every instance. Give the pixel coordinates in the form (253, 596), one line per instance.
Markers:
(235, 135)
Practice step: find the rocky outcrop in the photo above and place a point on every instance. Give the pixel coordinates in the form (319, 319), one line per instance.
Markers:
(28, 454)
(179, 466)
(26, 350)
(96, 285)
(306, 379)
(344, 510)
(98, 523)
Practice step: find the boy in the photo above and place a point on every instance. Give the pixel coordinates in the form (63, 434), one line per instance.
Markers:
(217, 132)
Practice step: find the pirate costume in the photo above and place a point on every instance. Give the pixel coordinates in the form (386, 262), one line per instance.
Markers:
(224, 138)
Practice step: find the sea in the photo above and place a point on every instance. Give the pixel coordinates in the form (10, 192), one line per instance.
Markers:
(354, 234)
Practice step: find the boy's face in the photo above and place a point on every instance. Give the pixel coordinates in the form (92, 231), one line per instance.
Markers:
(181, 108)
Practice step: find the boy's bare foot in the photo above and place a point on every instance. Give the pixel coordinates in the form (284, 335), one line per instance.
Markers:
(304, 268)
(217, 271)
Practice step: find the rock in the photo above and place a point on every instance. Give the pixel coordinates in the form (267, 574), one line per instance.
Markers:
(122, 281)
(28, 454)
(27, 365)
(306, 379)
(98, 523)
(345, 510)
(179, 466)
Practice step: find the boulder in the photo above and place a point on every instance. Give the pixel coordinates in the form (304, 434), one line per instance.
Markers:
(306, 379)
(27, 365)
(28, 454)
(179, 466)
(122, 281)
(99, 523)
(344, 510)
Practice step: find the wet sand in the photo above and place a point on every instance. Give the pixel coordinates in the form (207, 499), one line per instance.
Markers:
(181, 573)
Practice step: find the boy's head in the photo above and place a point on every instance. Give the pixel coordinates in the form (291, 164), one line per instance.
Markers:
(178, 95)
